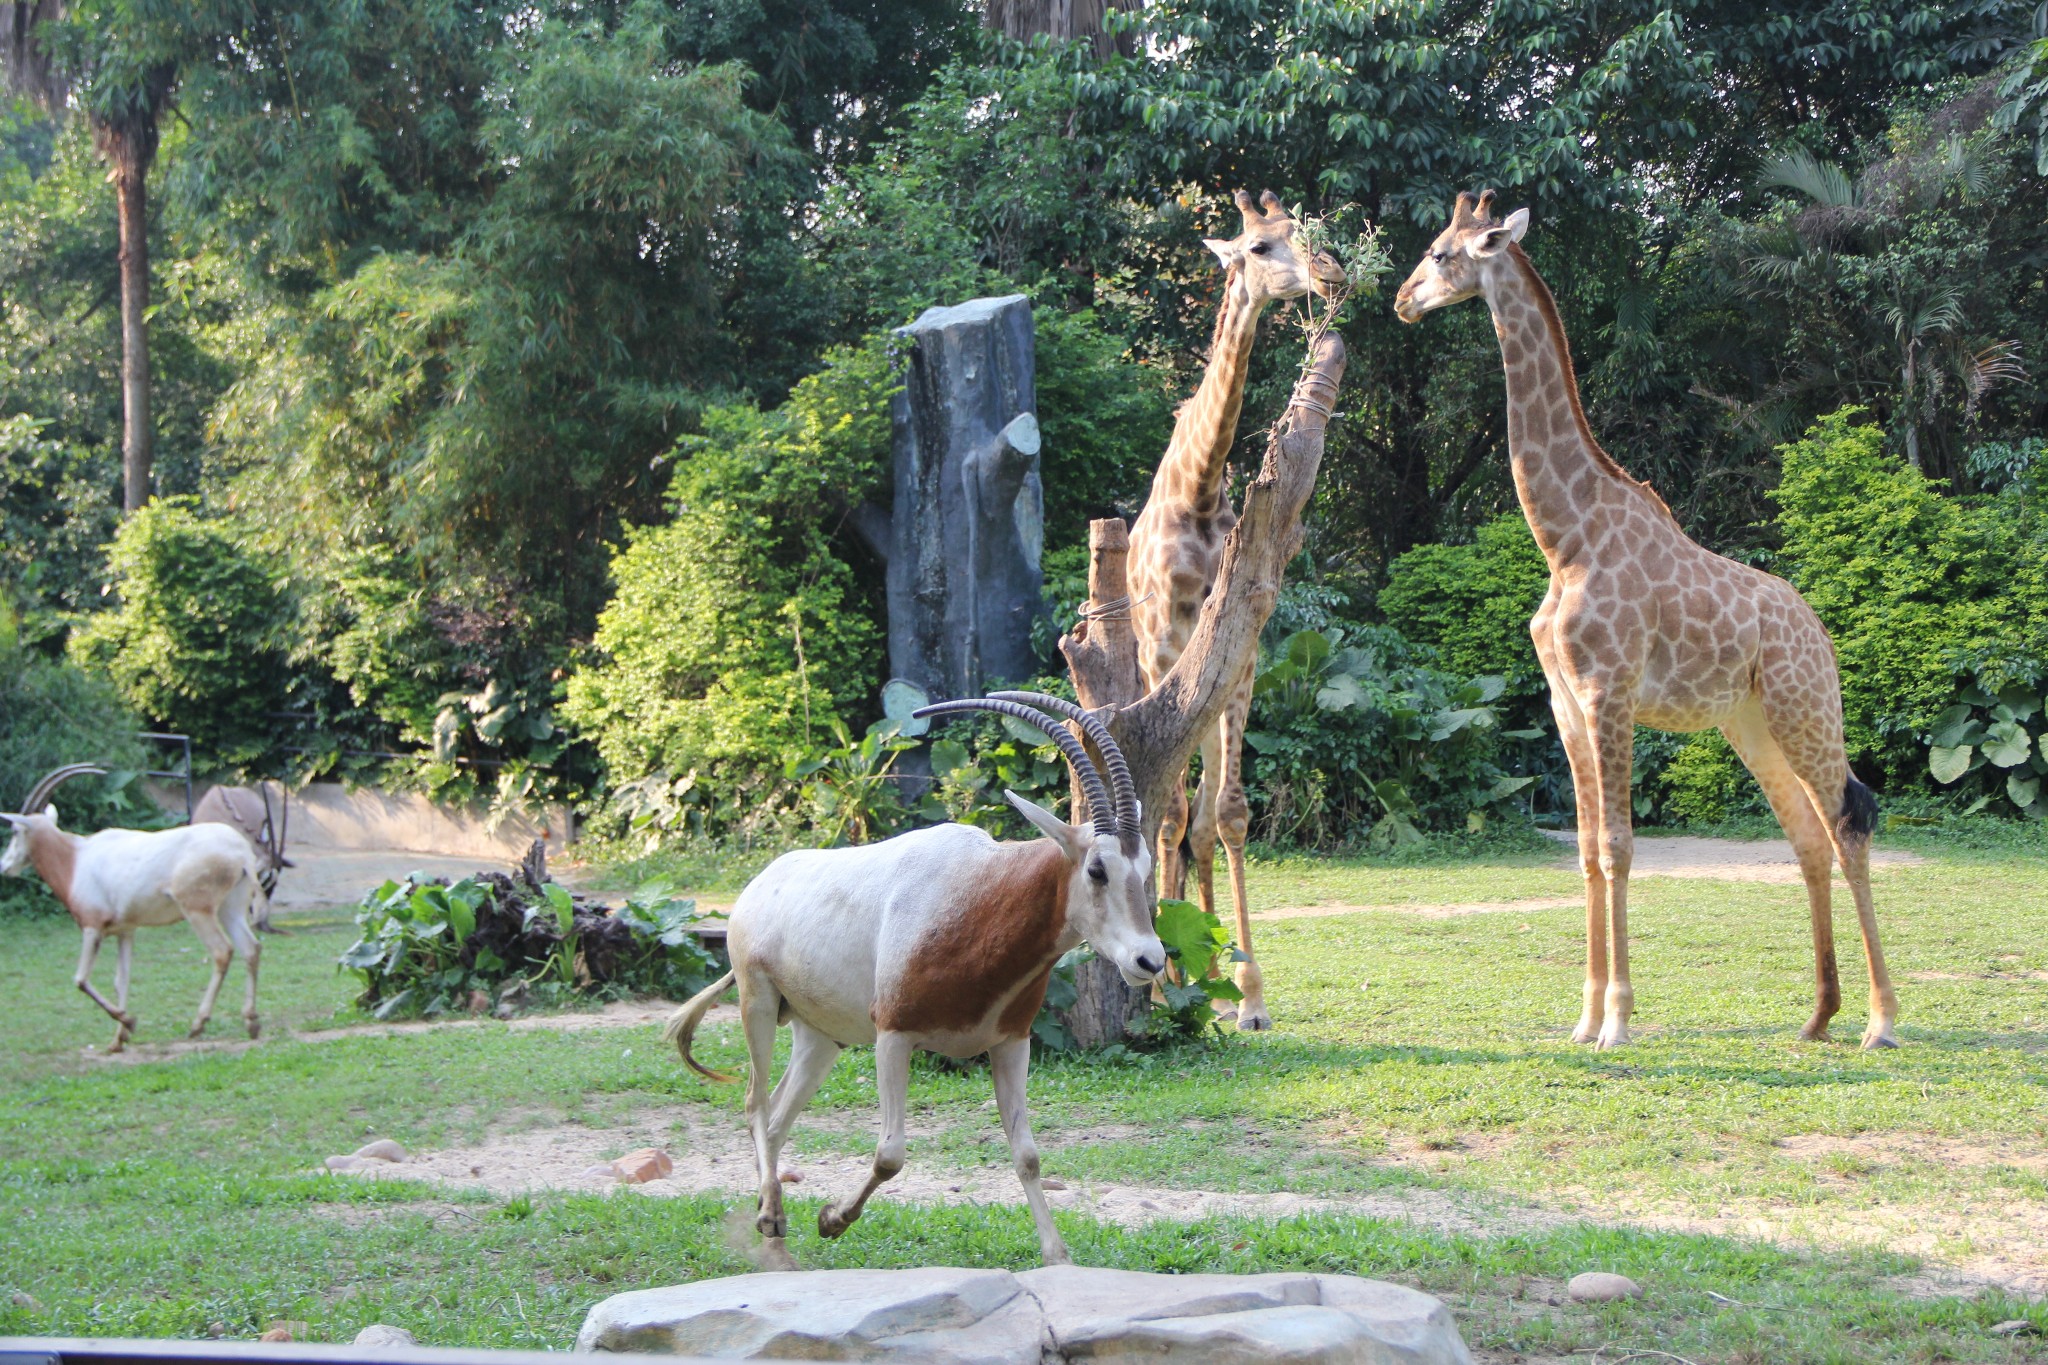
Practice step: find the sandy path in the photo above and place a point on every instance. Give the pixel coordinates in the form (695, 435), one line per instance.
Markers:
(1727, 860)
(1964, 1247)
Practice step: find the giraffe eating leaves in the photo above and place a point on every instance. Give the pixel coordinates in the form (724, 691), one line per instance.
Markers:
(1177, 546)
(1642, 624)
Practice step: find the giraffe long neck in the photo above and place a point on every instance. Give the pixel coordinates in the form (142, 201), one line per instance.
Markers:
(1197, 458)
(1560, 470)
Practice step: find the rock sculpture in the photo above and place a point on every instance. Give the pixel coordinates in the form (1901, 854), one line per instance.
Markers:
(1059, 1314)
(965, 528)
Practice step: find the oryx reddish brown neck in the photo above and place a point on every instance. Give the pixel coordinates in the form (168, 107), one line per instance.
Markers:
(54, 855)
(1561, 473)
(992, 952)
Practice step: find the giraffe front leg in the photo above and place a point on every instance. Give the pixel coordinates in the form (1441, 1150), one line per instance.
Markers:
(1611, 720)
(1233, 823)
(1578, 752)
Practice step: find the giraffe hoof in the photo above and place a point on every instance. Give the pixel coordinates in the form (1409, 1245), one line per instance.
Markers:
(197, 1029)
(255, 1028)
(1254, 1021)
(832, 1221)
(1588, 1031)
(1875, 1039)
(1613, 1038)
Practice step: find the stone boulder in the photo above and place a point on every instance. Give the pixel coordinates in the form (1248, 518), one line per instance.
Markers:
(1057, 1314)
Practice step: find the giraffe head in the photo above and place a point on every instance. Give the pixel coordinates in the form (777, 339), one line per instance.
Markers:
(1273, 264)
(1457, 263)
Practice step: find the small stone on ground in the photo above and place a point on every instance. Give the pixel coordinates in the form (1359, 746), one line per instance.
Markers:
(1598, 1286)
(383, 1149)
(384, 1334)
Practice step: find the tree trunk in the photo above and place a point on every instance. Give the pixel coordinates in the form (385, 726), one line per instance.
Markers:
(1159, 731)
(130, 174)
(1062, 21)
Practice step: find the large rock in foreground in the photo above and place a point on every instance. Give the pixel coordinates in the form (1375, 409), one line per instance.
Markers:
(1058, 1314)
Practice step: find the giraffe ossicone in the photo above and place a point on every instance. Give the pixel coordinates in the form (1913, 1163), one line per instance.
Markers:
(1641, 624)
(1177, 549)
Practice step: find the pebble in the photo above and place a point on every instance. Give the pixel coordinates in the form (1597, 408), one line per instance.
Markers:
(216, 1329)
(2013, 1327)
(792, 1177)
(384, 1334)
(639, 1167)
(290, 1330)
(22, 1299)
(383, 1149)
(1052, 1184)
(1598, 1286)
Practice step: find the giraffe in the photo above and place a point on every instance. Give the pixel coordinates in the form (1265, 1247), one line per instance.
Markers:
(1642, 624)
(1177, 547)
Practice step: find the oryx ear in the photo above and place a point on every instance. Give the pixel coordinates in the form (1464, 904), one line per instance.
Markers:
(16, 820)
(1071, 840)
(1227, 251)
(50, 809)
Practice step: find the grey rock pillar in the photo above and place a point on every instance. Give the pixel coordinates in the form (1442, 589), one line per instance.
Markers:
(963, 535)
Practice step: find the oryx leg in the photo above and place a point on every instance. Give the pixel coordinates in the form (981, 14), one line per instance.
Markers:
(124, 1023)
(892, 1088)
(236, 921)
(1010, 1063)
(760, 1008)
(124, 959)
(207, 925)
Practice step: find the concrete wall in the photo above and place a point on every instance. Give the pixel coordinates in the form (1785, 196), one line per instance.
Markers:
(327, 815)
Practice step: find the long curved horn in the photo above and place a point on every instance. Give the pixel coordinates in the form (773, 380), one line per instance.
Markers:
(1101, 812)
(1120, 784)
(54, 779)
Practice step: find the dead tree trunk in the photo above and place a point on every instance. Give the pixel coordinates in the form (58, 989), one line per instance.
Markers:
(1160, 730)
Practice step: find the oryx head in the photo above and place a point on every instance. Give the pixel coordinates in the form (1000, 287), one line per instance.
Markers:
(39, 814)
(1109, 867)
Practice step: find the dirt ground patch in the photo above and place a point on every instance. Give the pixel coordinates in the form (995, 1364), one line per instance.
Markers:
(712, 1155)
(1965, 1248)
(1894, 1149)
(1730, 860)
(1452, 911)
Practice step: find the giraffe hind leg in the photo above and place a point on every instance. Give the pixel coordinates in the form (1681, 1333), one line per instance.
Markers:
(1750, 737)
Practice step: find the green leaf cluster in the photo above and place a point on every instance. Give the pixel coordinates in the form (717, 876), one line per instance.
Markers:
(1924, 592)
(742, 630)
(1359, 737)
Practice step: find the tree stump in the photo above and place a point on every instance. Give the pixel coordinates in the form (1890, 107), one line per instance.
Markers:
(1105, 1005)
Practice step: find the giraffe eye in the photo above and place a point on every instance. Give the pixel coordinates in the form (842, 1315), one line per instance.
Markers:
(1437, 256)
(1260, 248)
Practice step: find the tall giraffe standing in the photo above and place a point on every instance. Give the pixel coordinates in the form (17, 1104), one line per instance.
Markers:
(1177, 546)
(1643, 624)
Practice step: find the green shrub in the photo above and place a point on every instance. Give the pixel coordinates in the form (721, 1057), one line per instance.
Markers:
(1361, 736)
(193, 645)
(1472, 603)
(740, 631)
(1702, 782)
(1921, 591)
(430, 947)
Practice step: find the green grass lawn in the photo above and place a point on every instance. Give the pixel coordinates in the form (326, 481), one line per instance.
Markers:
(1415, 1055)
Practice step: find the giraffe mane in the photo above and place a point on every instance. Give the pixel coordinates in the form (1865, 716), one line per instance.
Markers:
(1547, 305)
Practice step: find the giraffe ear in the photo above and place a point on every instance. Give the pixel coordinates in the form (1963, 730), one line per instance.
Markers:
(1227, 251)
(1517, 223)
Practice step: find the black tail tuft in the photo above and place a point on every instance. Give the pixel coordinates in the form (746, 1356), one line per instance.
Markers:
(1859, 811)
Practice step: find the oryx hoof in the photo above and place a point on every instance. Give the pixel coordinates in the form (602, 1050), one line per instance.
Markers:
(773, 1226)
(197, 1029)
(833, 1220)
(255, 1028)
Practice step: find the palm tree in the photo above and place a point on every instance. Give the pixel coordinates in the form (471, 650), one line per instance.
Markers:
(60, 54)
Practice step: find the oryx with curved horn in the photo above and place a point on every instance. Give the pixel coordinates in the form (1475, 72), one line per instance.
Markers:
(942, 940)
(120, 880)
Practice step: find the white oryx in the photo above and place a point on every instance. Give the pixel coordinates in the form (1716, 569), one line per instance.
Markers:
(120, 880)
(940, 939)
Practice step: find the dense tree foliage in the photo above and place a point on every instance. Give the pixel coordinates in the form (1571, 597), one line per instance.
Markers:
(526, 357)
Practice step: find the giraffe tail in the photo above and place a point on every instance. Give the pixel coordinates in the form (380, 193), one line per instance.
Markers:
(1858, 818)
